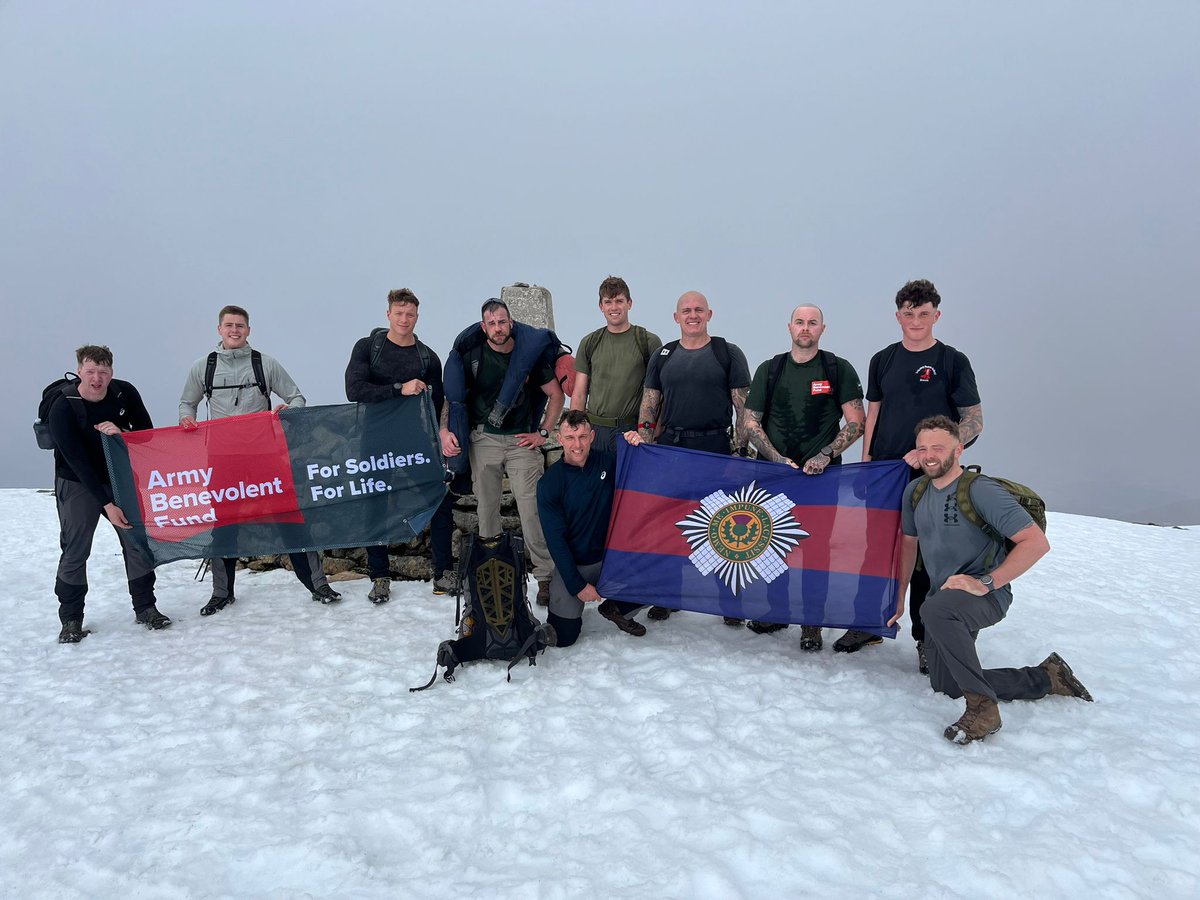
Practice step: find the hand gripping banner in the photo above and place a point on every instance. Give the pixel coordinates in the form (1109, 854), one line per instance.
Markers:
(352, 475)
(756, 540)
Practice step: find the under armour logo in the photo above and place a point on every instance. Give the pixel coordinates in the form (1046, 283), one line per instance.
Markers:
(950, 511)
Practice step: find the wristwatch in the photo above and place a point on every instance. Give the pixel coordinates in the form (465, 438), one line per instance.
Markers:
(544, 433)
(986, 581)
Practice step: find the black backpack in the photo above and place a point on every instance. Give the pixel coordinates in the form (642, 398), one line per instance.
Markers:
(775, 372)
(720, 350)
(210, 371)
(379, 337)
(497, 621)
(65, 388)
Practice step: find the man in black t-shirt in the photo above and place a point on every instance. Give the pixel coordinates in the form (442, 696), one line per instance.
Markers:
(393, 364)
(909, 381)
(98, 404)
(794, 414)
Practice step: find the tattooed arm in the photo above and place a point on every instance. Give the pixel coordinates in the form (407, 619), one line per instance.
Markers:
(851, 431)
(752, 429)
(738, 396)
(449, 441)
(970, 422)
(648, 414)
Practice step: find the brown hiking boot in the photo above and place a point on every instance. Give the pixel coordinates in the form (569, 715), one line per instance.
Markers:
(543, 595)
(981, 719)
(1062, 680)
(609, 610)
(810, 638)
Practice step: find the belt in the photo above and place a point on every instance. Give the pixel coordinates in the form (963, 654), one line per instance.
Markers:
(621, 424)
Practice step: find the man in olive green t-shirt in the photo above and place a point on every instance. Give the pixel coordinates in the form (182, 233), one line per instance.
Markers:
(799, 423)
(611, 365)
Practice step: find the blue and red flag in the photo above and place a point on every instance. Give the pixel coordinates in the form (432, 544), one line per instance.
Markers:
(318, 477)
(756, 540)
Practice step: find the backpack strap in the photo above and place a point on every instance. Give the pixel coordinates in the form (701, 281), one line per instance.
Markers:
(720, 350)
(829, 361)
(378, 340)
(643, 343)
(210, 370)
(774, 373)
(259, 378)
(919, 491)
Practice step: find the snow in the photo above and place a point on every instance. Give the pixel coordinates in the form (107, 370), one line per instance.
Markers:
(274, 750)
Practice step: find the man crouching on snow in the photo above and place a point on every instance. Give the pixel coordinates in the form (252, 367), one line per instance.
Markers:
(575, 499)
(974, 574)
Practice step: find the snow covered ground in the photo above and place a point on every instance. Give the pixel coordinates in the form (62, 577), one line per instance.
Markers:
(274, 750)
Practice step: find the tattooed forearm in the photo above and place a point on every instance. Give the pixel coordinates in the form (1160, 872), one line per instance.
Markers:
(445, 418)
(753, 430)
(852, 430)
(970, 422)
(651, 400)
(738, 396)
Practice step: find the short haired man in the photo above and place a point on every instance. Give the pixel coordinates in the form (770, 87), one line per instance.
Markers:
(513, 447)
(972, 571)
(98, 404)
(575, 499)
(694, 387)
(908, 381)
(235, 390)
(611, 365)
(794, 412)
(395, 363)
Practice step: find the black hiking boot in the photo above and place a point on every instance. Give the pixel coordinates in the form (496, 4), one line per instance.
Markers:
(734, 621)
(853, 641)
(381, 590)
(609, 610)
(325, 594)
(765, 627)
(72, 632)
(152, 618)
(659, 613)
(810, 638)
(922, 662)
(216, 604)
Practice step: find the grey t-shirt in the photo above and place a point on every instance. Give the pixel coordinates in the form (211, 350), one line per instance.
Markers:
(950, 544)
(694, 387)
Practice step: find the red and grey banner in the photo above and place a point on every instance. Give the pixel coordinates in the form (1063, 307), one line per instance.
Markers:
(351, 475)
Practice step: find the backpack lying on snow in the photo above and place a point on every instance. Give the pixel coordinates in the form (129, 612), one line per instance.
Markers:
(496, 622)
(1026, 496)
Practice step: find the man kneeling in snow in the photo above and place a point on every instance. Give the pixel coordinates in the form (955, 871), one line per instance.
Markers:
(575, 499)
(974, 574)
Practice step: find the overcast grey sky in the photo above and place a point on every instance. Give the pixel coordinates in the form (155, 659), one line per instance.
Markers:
(1037, 161)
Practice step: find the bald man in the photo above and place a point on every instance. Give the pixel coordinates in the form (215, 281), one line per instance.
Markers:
(794, 414)
(695, 387)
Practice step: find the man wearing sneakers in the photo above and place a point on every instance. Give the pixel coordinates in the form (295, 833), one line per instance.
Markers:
(694, 387)
(796, 404)
(98, 404)
(972, 572)
(392, 362)
(237, 380)
(908, 381)
(611, 366)
(575, 499)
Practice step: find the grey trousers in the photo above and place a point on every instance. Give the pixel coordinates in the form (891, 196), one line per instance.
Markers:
(78, 514)
(951, 618)
(223, 572)
(492, 455)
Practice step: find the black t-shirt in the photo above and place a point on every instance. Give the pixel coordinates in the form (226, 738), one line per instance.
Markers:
(79, 452)
(370, 384)
(911, 386)
(485, 391)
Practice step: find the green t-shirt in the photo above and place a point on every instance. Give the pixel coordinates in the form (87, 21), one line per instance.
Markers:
(615, 372)
(803, 416)
(521, 418)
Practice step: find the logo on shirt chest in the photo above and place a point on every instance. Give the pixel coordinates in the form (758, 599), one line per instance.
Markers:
(925, 373)
(821, 387)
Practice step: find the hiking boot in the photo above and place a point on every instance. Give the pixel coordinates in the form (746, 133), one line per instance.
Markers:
(326, 594)
(981, 718)
(447, 583)
(1062, 680)
(609, 610)
(381, 590)
(734, 622)
(922, 662)
(216, 604)
(853, 641)
(72, 632)
(659, 613)
(152, 618)
(810, 638)
(543, 594)
(765, 627)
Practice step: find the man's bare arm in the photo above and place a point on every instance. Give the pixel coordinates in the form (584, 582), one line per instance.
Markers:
(738, 396)
(970, 422)
(579, 395)
(908, 562)
(869, 430)
(648, 414)
(757, 435)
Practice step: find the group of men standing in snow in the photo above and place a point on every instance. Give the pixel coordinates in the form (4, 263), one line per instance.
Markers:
(803, 408)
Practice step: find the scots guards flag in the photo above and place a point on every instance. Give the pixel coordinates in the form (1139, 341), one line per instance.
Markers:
(756, 540)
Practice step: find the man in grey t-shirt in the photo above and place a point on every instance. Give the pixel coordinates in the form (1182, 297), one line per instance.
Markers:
(973, 573)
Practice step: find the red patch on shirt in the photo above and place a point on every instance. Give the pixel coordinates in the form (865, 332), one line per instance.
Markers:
(821, 387)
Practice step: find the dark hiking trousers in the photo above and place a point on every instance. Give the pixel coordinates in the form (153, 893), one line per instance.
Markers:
(951, 617)
(78, 514)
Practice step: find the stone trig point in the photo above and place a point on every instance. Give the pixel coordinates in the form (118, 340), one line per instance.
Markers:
(529, 303)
